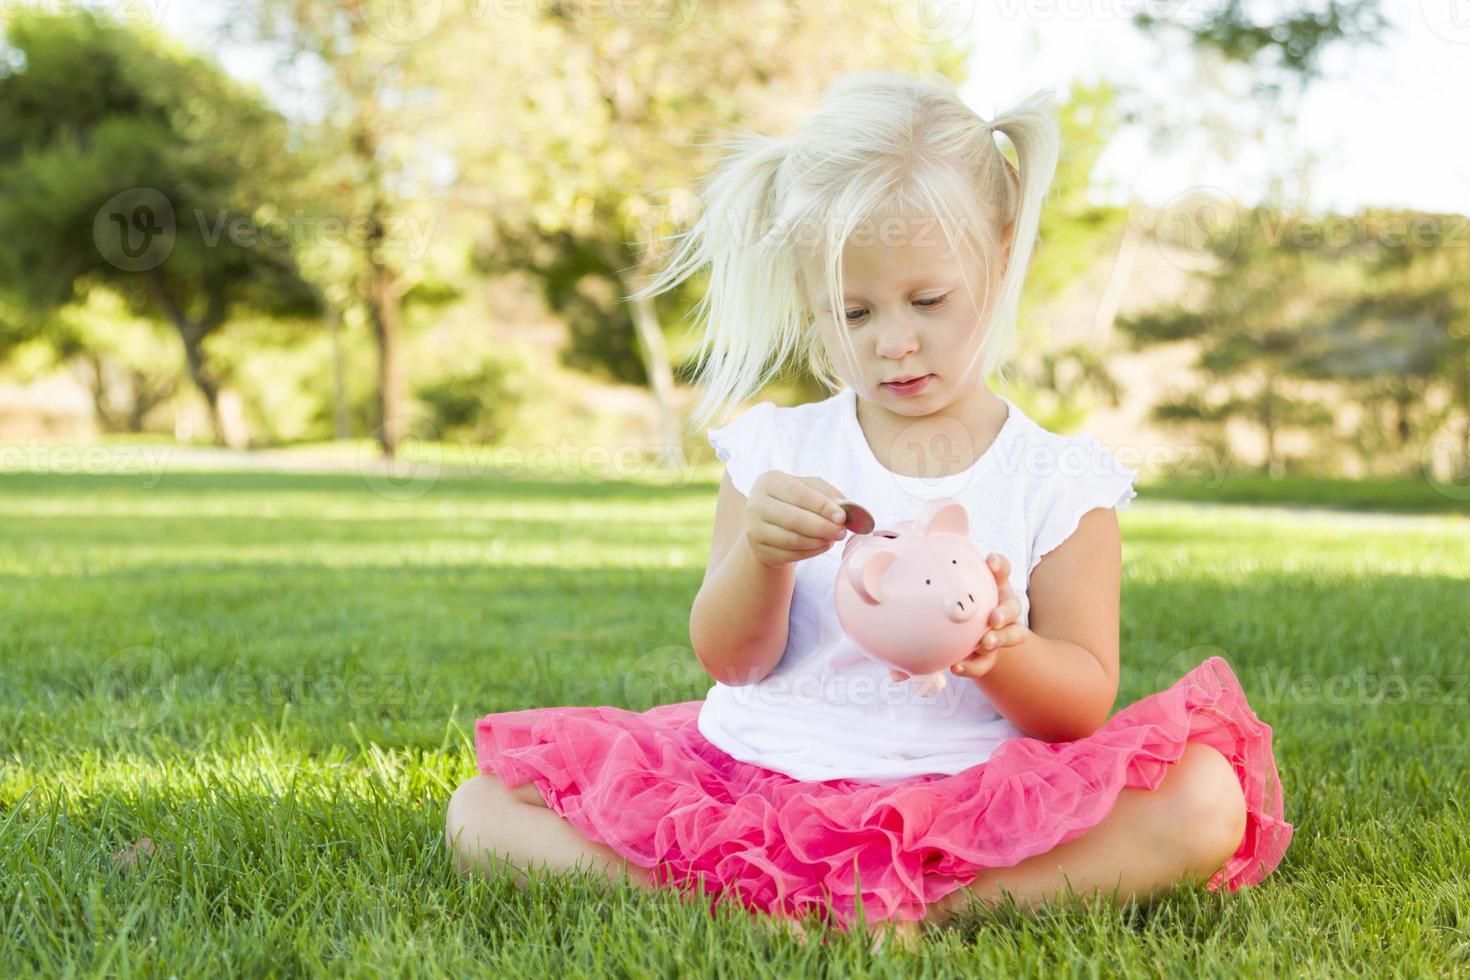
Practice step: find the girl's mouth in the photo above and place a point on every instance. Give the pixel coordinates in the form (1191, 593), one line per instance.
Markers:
(910, 388)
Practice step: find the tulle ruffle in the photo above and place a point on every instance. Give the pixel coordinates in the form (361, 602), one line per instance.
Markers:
(651, 787)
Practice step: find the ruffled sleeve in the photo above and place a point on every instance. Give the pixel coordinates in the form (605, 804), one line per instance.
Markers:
(747, 445)
(1087, 475)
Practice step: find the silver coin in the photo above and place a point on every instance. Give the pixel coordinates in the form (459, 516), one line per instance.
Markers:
(858, 521)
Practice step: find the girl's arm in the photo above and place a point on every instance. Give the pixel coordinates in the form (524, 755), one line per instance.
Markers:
(738, 623)
(1060, 681)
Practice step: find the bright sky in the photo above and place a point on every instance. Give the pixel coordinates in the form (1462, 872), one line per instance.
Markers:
(1384, 126)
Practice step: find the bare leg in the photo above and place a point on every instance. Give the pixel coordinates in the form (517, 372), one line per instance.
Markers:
(488, 826)
(1184, 829)
(485, 816)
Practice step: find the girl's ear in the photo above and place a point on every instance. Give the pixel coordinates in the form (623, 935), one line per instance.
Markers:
(942, 515)
(865, 573)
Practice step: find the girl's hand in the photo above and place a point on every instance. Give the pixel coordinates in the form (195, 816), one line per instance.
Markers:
(1003, 628)
(790, 518)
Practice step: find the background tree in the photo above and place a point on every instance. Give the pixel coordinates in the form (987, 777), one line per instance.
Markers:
(1283, 48)
(128, 165)
(1400, 344)
(1251, 328)
(377, 162)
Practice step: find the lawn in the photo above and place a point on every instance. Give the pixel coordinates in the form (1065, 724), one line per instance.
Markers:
(275, 678)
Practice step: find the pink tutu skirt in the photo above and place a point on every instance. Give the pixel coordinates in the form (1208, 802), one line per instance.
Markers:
(651, 787)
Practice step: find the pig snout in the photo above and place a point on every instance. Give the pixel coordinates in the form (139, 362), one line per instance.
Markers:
(961, 608)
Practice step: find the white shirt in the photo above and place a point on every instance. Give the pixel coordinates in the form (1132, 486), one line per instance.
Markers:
(1025, 495)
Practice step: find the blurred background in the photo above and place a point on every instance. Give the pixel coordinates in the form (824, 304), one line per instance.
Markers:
(318, 232)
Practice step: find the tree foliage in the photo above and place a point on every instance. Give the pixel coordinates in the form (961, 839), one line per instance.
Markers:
(131, 166)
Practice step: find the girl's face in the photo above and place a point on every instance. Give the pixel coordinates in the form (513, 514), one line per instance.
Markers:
(907, 313)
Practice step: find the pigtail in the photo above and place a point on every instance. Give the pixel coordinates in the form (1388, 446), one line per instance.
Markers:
(1032, 129)
(750, 312)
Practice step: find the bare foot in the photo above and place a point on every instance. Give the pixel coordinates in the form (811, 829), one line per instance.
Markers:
(903, 932)
(135, 852)
(784, 925)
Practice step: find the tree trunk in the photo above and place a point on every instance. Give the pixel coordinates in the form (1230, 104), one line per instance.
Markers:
(225, 415)
(384, 299)
(1118, 278)
(1268, 422)
(96, 383)
(1465, 429)
(661, 376)
(341, 425)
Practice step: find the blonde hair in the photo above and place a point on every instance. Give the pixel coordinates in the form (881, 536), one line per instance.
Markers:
(881, 143)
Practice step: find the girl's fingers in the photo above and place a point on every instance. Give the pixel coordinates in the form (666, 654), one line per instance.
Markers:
(998, 565)
(975, 663)
(1008, 610)
(1004, 636)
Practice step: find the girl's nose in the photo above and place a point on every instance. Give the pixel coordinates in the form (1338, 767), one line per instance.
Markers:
(897, 340)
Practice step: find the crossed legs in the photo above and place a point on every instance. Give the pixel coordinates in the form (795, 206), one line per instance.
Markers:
(1184, 829)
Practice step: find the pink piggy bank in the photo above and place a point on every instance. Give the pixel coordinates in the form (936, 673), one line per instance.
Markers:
(916, 597)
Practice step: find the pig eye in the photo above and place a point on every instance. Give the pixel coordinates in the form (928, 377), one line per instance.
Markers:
(887, 534)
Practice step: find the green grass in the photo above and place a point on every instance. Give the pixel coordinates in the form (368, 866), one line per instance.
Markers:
(275, 677)
(1379, 493)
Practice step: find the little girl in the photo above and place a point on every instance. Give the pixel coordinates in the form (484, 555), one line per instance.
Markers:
(886, 242)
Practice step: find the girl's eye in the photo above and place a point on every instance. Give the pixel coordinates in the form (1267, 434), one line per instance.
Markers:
(853, 316)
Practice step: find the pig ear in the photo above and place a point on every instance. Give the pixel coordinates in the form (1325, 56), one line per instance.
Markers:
(943, 515)
(865, 572)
